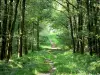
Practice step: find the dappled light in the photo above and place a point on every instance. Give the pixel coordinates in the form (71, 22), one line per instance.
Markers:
(64, 63)
(49, 37)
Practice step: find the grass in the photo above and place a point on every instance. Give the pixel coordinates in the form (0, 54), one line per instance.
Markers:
(75, 64)
(65, 62)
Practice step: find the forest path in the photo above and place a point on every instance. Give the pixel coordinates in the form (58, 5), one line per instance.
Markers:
(44, 74)
(50, 62)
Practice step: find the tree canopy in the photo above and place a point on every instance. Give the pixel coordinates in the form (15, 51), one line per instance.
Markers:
(37, 25)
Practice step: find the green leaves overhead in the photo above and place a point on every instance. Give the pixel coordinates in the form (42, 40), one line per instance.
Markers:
(59, 20)
(39, 9)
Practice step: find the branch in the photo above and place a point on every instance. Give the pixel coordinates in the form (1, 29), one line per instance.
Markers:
(64, 5)
(59, 10)
(61, 4)
(71, 4)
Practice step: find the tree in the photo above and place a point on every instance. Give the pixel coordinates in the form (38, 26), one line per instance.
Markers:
(21, 28)
(0, 23)
(0, 18)
(4, 29)
(10, 13)
(13, 23)
(71, 26)
(80, 42)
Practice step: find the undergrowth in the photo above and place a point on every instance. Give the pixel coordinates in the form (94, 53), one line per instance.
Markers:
(65, 62)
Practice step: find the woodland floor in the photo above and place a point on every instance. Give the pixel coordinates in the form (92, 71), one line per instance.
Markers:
(51, 62)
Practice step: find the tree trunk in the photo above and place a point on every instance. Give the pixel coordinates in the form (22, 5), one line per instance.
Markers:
(32, 42)
(38, 48)
(8, 29)
(89, 26)
(13, 24)
(71, 26)
(4, 28)
(96, 11)
(25, 43)
(22, 28)
(80, 27)
(0, 19)
(0, 24)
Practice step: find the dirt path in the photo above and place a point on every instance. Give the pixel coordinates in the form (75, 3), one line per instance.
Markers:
(44, 74)
(51, 63)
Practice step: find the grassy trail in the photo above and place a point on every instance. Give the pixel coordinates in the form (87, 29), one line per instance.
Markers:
(54, 62)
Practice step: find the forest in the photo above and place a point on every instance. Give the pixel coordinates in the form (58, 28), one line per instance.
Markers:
(49, 37)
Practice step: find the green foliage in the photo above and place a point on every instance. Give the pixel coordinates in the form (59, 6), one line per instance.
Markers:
(38, 9)
(59, 20)
(44, 40)
(64, 40)
(64, 62)
(59, 38)
(76, 64)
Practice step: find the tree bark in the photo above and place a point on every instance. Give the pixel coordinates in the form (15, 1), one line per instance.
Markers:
(0, 18)
(89, 27)
(0, 24)
(13, 24)
(38, 48)
(4, 28)
(8, 29)
(71, 26)
(25, 42)
(32, 42)
(80, 27)
(22, 28)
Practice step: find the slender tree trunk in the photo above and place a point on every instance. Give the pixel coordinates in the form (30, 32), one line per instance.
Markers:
(18, 41)
(91, 22)
(89, 27)
(0, 18)
(96, 11)
(8, 29)
(0, 24)
(80, 27)
(20, 45)
(13, 24)
(71, 26)
(78, 44)
(75, 28)
(72, 35)
(4, 28)
(32, 43)
(25, 42)
(22, 28)
(38, 48)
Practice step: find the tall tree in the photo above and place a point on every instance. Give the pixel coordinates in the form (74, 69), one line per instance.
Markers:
(0, 22)
(13, 23)
(90, 25)
(10, 13)
(0, 18)
(22, 27)
(80, 27)
(4, 29)
(71, 26)
(38, 35)
(25, 40)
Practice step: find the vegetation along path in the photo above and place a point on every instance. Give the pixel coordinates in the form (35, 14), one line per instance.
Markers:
(52, 63)
(49, 37)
